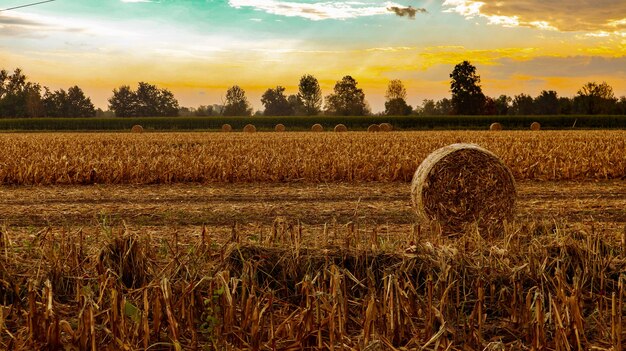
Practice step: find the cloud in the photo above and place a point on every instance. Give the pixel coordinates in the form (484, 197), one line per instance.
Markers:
(406, 11)
(317, 11)
(563, 15)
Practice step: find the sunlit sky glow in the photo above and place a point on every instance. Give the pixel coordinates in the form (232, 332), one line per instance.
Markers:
(199, 48)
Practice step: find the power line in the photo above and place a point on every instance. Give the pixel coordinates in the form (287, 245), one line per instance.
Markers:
(27, 5)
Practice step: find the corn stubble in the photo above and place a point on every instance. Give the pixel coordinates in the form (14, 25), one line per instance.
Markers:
(164, 158)
(541, 287)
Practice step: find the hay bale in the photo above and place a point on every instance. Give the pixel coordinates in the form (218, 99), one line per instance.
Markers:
(495, 126)
(317, 128)
(373, 128)
(279, 128)
(535, 126)
(136, 129)
(249, 128)
(341, 128)
(386, 127)
(226, 128)
(462, 184)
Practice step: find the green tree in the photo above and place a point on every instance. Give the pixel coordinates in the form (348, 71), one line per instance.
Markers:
(347, 99)
(310, 93)
(427, 108)
(18, 97)
(236, 102)
(503, 104)
(396, 99)
(297, 105)
(444, 107)
(124, 102)
(467, 95)
(523, 105)
(566, 105)
(595, 98)
(276, 103)
(547, 103)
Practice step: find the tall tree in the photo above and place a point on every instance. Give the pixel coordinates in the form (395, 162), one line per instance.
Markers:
(396, 99)
(124, 102)
(547, 103)
(310, 94)
(503, 103)
(78, 105)
(18, 97)
(146, 101)
(347, 99)
(523, 105)
(276, 103)
(236, 102)
(594, 98)
(467, 95)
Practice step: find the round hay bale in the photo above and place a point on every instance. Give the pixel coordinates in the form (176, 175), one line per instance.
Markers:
(373, 128)
(462, 184)
(386, 127)
(249, 128)
(136, 129)
(535, 126)
(317, 128)
(279, 128)
(341, 128)
(495, 126)
(226, 128)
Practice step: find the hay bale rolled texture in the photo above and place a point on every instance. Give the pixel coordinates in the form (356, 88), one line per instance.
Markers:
(279, 128)
(495, 126)
(317, 128)
(340, 128)
(462, 184)
(535, 126)
(386, 127)
(226, 128)
(136, 129)
(373, 128)
(249, 128)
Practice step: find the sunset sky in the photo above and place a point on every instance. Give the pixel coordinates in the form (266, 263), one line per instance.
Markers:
(199, 48)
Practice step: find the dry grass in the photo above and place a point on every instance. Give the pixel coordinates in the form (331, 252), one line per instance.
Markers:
(340, 128)
(164, 158)
(540, 286)
(317, 128)
(495, 126)
(463, 184)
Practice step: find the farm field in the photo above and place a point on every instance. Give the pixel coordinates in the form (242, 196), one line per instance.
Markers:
(297, 241)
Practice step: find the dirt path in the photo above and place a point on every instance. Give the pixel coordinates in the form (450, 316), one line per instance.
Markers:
(313, 204)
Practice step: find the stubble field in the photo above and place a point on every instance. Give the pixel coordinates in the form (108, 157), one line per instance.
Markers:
(296, 241)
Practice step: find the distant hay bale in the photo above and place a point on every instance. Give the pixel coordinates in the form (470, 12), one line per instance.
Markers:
(279, 128)
(535, 126)
(226, 128)
(341, 128)
(317, 128)
(249, 128)
(495, 126)
(462, 184)
(136, 129)
(373, 128)
(386, 127)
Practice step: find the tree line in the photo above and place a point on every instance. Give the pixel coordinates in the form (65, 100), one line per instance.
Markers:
(20, 98)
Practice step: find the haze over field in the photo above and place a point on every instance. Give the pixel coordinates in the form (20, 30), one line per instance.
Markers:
(198, 49)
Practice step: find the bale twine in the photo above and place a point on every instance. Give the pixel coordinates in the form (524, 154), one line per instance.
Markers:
(535, 126)
(249, 128)
(462, 184)
(136, 129)
(495, 126)
(226, 128)
(279, 128)
(386, 127)
(341, 128)
(373, 128)
(317, 128)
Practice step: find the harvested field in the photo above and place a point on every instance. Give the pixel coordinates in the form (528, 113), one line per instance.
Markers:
(159, 158)
(291, 241)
